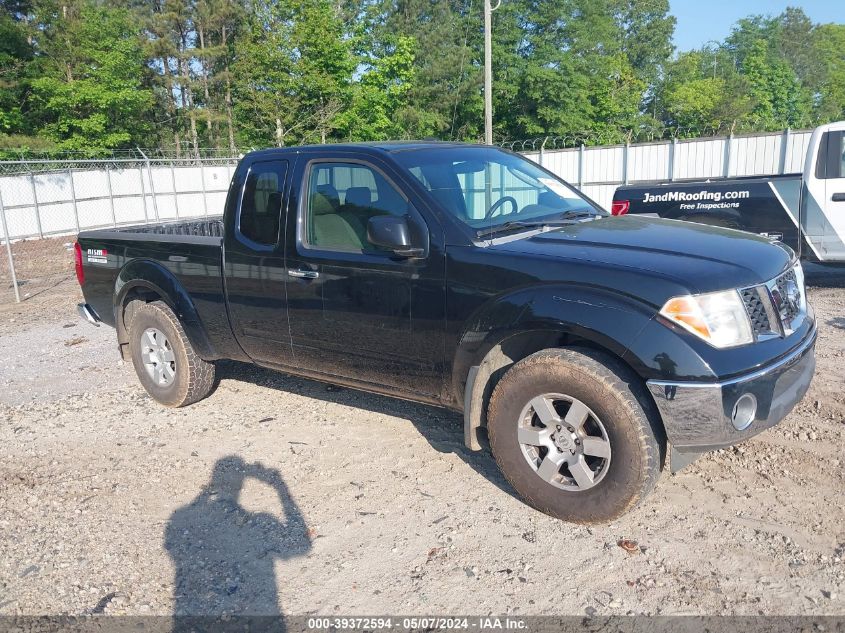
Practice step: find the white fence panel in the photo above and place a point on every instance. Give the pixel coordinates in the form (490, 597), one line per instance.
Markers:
(603, 194)
(52, 187)
(604, 164)
(90, 184)
(649, 161)
(162, 179)
(216, 202)
(17, 191)
(796, 152)
(20, 221)
(700, 159)
(50, 197)
(126, 182)
(94, 213)
(756, 155)
(564, 163)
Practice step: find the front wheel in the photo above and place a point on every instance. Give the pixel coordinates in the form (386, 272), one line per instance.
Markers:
(573, 433)
(164, 359)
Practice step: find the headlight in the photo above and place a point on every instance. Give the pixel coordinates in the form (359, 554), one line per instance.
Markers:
(717, 317)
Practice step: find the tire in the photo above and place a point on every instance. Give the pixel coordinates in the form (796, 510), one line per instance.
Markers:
(164, 359)
(611, 405)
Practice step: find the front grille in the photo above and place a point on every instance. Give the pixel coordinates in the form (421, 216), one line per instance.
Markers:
(774, 306)
(756, 309)
(786, 305)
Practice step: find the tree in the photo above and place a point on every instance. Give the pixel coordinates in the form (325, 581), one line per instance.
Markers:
(779, 99)
(702, 93)
(265, 103)
(444, 99)
(15, 54)
(579, 76)
(646, 30)
(826, 72)
(380, 95)
(324, 63)
(89, 94)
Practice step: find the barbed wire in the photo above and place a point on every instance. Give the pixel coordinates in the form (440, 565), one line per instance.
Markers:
(48, 165)
(645, 134)
(14, 162)
(168, 153)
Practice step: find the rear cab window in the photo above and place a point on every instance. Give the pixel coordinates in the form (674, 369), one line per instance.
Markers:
(259, 217)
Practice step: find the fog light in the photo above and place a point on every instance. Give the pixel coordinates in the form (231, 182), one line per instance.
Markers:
(744, 411)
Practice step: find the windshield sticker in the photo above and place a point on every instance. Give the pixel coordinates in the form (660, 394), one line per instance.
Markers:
(556, 187)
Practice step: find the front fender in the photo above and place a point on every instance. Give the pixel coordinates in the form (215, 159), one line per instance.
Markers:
(609, 319)
(149, 275)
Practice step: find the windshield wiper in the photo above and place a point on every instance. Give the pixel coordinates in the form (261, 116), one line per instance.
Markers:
(564, 220)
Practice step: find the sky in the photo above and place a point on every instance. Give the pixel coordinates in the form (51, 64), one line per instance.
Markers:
(700, 21)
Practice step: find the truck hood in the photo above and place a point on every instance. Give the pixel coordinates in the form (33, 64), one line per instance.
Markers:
(699, 257)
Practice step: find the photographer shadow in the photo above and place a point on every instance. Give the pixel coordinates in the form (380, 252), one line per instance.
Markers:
(440, 427)
(224, 555)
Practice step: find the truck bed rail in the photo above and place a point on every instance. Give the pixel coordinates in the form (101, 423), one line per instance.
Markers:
(204, 227)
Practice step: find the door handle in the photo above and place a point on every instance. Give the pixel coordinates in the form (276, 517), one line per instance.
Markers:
(838, 197)
(304, 274)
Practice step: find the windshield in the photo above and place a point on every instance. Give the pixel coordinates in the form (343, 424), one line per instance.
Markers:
(486, 188)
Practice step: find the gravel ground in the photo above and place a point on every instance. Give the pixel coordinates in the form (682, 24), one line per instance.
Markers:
(278, 494)
(40, 265)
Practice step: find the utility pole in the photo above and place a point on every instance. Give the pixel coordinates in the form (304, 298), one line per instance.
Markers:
(488, 70)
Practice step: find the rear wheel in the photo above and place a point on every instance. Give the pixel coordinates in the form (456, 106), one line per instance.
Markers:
(164, 359)
(573, 433)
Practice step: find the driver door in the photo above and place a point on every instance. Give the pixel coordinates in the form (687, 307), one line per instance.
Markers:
(357, 311)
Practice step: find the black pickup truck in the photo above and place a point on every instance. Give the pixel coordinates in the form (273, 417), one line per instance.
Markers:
(589, 346)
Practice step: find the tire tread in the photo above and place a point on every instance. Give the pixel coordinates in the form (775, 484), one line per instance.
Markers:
(199, 374)
(611, 377)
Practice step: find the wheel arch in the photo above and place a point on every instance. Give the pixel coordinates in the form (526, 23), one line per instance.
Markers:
(147, 281)
(552, 318)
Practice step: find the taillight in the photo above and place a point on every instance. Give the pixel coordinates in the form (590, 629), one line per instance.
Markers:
(77, 256)
(620, 207)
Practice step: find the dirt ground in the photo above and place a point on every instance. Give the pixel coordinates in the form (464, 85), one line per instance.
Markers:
(278, 494)
(40, 265)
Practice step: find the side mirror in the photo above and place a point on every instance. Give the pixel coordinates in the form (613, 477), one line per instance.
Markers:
(392, 233)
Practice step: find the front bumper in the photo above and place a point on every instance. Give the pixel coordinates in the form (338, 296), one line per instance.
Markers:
(700, 416)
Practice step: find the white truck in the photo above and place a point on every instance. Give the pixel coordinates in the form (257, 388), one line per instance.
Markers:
(806, 211)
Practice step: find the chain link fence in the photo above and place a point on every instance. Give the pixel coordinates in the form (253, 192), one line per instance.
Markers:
(44, 203)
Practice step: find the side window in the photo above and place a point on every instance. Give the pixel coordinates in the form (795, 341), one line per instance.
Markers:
(830, 162)
(261, 205)
(341, 199)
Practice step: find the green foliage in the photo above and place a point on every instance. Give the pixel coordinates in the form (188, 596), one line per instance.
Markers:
(87, 95)
(770, 73)
(15, 54)
(292, 72)
(825, 74)
(380, 95)
(266, 105)
(779, 100)
(92, 76)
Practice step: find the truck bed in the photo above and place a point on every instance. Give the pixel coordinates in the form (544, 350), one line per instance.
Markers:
(185, 254)
(758, 204)
(202, 227)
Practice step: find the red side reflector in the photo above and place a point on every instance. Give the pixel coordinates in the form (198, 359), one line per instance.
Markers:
(77, 256)
(620, 207)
